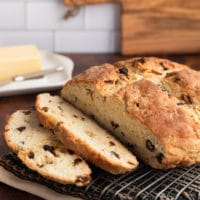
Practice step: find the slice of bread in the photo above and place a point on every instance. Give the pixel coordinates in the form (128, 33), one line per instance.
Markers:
(39, 150)
(83, 135)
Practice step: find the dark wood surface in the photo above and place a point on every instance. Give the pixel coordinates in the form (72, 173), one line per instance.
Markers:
(82, 61)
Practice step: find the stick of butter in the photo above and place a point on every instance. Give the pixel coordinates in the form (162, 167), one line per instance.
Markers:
(17, 60)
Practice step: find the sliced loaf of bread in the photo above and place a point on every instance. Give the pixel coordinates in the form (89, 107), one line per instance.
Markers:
(39, 150)
(151, 104)
(83, 135)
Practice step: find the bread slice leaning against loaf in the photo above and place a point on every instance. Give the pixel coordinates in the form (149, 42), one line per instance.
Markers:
(151, 104)
(38, 148)
(83, 135)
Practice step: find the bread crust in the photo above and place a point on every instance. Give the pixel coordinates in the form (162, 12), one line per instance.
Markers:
(73, 142)
(146, 89)
(25, 158)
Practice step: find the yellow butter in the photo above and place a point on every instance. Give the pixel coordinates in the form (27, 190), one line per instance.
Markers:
(17, 60)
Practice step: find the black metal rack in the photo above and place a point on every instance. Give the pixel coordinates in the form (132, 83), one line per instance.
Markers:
(144, 183)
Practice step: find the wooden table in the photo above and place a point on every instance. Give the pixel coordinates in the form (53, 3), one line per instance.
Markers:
(82, 61)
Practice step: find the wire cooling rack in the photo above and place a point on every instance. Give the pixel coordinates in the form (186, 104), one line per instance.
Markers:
(144, 183)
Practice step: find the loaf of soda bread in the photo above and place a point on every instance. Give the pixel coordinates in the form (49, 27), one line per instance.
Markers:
(83, 135)
(150, 104)
(38, 148)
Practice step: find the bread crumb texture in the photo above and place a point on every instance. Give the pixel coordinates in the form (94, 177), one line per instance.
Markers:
(83, 135)
(39, 149)
(150, 104)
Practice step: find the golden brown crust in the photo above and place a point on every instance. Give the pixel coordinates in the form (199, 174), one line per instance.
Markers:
(149, 64)
(105, 72)
(169, 122)
(7, 139)
(108, 78)
(185, 82)
(141, 89)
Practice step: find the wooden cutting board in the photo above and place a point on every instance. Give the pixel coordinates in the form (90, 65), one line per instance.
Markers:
(157, 26)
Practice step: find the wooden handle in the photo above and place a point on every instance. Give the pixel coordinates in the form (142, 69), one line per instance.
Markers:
(85, 2)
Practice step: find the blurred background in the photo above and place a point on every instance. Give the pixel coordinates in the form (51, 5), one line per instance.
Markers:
(103, 26)
(94, 29)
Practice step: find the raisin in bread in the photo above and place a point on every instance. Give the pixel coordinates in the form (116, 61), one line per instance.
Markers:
(39, 150)
(151, 104)
(83, 135)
